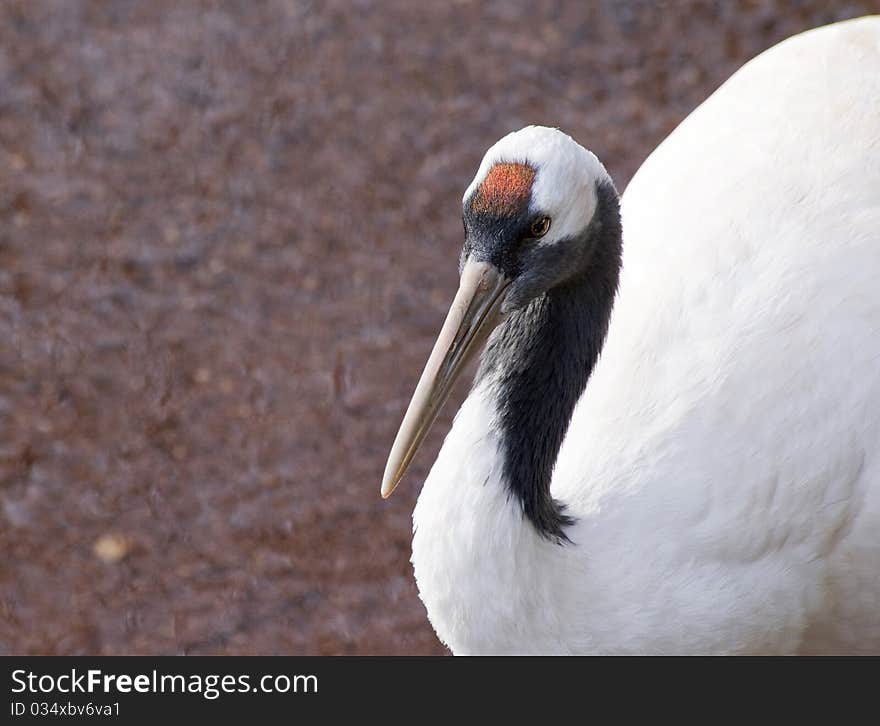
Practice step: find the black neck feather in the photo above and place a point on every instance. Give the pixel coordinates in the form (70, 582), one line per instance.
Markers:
(539, 362)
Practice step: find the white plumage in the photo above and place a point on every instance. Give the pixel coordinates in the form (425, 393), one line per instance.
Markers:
(722, 466)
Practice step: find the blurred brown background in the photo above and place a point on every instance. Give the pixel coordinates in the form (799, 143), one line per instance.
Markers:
(228, 234)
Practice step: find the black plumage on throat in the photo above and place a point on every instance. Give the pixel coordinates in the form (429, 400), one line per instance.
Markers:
(538, 363)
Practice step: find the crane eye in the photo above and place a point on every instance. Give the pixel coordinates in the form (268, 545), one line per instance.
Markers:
(539, 227)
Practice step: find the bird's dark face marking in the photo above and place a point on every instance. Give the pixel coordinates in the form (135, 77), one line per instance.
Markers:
(505, 226)
(498, 219)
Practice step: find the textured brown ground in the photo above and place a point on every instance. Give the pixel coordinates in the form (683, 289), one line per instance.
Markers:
(228, 233)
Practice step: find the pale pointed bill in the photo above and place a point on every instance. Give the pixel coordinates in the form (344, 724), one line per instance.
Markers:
(474, 314)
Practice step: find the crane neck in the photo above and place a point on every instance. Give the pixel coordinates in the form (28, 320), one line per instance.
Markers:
(537, 364)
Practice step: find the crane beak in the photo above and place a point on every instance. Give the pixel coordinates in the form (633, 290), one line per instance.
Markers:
(474, 314)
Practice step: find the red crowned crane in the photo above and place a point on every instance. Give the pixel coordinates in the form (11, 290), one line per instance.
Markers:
(672, 443)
